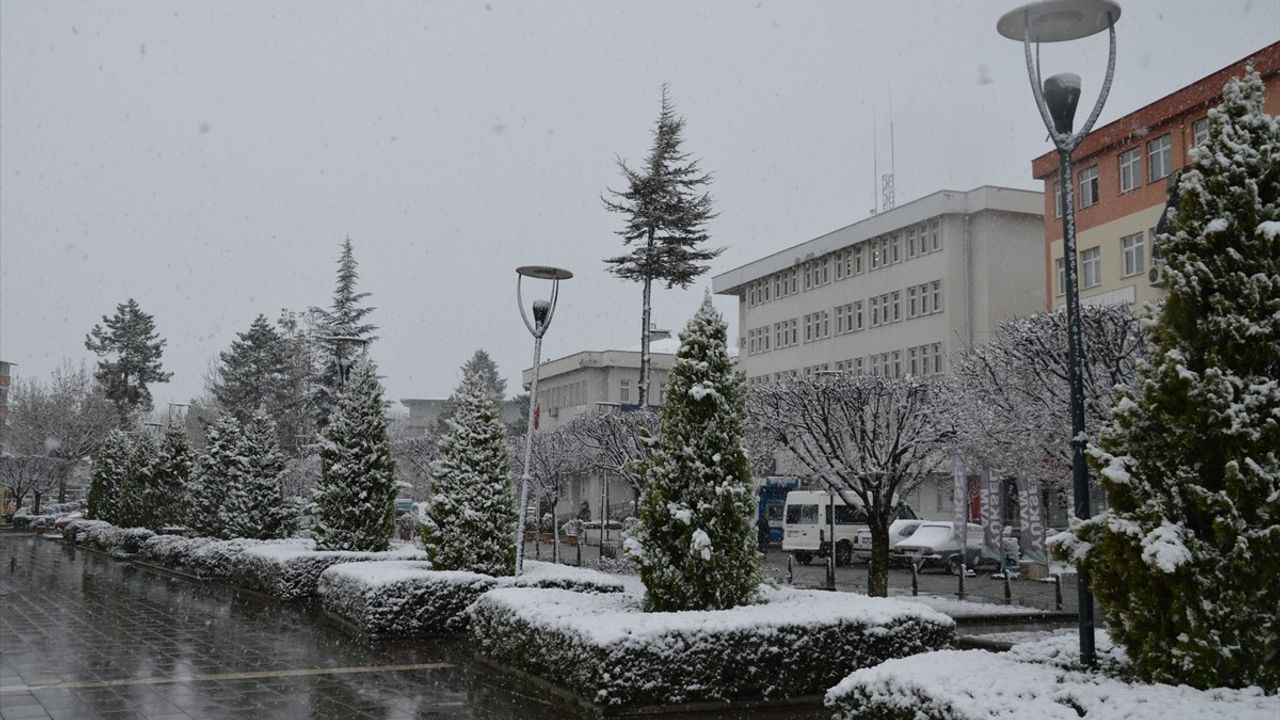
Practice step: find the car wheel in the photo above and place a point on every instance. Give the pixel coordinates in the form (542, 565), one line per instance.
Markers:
(802, 557)
(953, 564)
(844, 553)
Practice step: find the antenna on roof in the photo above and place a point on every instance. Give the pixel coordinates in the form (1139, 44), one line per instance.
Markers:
(875, 165)
(886, 180)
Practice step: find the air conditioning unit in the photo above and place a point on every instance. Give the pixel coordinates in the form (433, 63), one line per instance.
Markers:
(1156, 275)
(553, 411)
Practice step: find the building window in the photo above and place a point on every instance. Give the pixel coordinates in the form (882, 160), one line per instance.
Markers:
(897, 364)
(1057, 199)
(896, 302)
(1130, 170)
(624, 391)
(875, 311)
(913, 302)
(858, 252)
(913, 243)
(913, 361)
(935, 289)
(857, 315)
(1091, 267)
(895, 248)
(1133, 248)
(1159, 158)
(1089, 187)
(1062, 276)
(1200, 132)
(937, 358)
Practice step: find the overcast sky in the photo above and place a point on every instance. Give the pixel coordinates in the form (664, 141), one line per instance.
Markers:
(208, 158)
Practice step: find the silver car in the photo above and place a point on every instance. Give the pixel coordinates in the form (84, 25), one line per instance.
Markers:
(899, 530)
(933, 544)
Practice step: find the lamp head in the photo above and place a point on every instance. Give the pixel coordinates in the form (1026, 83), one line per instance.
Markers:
(1061, 94)
(540, 310)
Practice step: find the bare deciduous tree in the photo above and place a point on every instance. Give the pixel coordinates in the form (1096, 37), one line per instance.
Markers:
(555, 458)
(33, 475)
(869, 439)
(615, 442)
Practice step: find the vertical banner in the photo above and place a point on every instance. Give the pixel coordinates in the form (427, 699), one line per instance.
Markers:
(992, 525)
(959, 501)
(1031, 513)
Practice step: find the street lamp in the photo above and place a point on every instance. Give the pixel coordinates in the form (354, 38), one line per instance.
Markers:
(1056, 98)
(344, 365)
(543, 310)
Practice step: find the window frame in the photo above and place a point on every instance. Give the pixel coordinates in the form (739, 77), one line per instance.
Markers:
(1131, 168)
(1133, 254)
(1091, 259)
(1166, 157)
(1089, 175)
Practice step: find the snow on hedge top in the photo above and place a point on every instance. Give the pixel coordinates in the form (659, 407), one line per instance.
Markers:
(302, 547)
(968, 608)
(979, 685)
(388, 572)
(611, 618)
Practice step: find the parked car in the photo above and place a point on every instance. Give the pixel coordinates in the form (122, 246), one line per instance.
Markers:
(403, 505)
(898, 531)
(933, 544)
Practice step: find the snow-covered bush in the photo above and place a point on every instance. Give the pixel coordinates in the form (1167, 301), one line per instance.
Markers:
(107, 477)
(290, 570)
(256, 506)
(471, 524)
(102, 535)
(355, 494)
(403, 598)
(214, 475)
(1184, 559)
(979, 685)
(696, 541)
(605, 650)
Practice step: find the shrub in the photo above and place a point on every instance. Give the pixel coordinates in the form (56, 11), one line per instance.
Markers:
(291, 570)
(605, 650)
(979, 685)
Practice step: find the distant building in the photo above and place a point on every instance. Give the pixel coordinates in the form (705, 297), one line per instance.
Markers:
(5, 368)
(1124, 171)
(893, 294)
(425, 413)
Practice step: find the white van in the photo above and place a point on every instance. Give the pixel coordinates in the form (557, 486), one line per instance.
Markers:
(806, 522)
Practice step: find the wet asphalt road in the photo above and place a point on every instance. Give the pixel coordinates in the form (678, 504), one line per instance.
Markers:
(83, 636)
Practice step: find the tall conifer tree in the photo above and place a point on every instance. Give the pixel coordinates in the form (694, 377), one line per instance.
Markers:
(167, 492)
(106, 479)
(217, 471)
(256, 506)
(345, 317)
(1185, 558)
(355, 495)
(666, 209)
(471, 524)
(130, 349)
(696, 539)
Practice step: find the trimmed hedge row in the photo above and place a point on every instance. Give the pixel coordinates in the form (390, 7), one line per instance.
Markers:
(102, 535)
(605, 650)
(292, 571)
(405, 598)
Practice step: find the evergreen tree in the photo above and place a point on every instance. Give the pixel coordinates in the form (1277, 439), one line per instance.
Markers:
(495, 386)
(1185, 558)
(471, 524)
(130, 349)
(253, 374)
(256, 506)
(138, 487)
(166, 494)
(355, 495)
(344, 318)
(666, 209)
(107, 478)
(696, 539)
(296, 418)
(217, 471)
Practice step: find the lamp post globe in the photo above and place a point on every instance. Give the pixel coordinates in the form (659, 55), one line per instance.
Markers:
(543, 311)
(1056, 99)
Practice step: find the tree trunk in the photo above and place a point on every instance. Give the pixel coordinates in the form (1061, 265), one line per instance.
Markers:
(878, 577)
(645, 314)
(555, 530)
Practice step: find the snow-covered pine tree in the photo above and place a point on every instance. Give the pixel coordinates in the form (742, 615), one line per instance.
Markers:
(355, 495)
(107, 477)
(167, 493)
(130, 349)
(667, 208)
(486, 370)
(472, 521)
(256, 506)
(215, 473)
(696, 540)
(1185, 558)
(139, 484)
(254, 373)
(346, 318)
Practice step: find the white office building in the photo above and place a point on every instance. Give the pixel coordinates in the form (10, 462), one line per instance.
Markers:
(896, 293)
(893, 295)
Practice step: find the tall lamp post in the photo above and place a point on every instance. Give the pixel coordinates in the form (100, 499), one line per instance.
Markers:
(1056, 98)
(543, 310)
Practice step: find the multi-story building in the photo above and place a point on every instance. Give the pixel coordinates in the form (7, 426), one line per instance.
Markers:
(4, 405)
(894, 294)
(1123, 174)
(424, 413)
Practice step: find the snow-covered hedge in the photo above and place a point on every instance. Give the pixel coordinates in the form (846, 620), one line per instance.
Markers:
(979, 685)
(291, 570)
(605, 650)
(203, 557)
(404, 598)
(102, 535)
